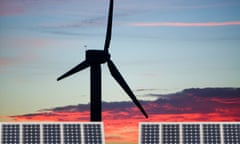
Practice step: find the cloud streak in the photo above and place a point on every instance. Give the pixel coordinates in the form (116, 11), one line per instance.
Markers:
(184, 24)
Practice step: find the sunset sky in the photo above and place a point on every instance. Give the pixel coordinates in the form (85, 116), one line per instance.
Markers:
(162, 48)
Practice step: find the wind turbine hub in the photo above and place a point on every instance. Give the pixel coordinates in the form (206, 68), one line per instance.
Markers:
(97, 56)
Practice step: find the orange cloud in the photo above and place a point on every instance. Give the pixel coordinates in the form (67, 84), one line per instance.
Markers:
(184, 24)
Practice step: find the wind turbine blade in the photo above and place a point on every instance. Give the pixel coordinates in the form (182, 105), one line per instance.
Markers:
(109, 27)
(77, 68)
(118, 77)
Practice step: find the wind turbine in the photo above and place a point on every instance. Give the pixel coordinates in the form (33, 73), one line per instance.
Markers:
(94, 59)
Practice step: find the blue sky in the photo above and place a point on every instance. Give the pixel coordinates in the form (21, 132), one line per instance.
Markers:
(162, 46)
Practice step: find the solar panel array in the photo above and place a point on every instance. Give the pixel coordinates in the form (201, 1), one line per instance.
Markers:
(189, 133)
(52, 133)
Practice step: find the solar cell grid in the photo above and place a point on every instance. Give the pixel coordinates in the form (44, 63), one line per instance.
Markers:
(191, 133)
(10, 134)
(31, 134)
(231, 133)
(72, 133)
(170, 134)
(51, 134)
(150, 134)
(92, 133)
(211, 134)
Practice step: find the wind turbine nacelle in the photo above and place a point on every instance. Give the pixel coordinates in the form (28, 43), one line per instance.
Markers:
(97, 56)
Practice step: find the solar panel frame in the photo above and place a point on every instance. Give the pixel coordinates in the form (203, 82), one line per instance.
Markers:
(61, 124)
(200, 131)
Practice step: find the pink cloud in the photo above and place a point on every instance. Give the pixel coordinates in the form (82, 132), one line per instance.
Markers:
(184, 24)
(31, 42)
(11, 12)
(226, 101)
(26, 48)
(10, 8)
(6, 62)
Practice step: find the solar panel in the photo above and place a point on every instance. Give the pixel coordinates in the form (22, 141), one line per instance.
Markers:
(170, 133)
(10, 134)
(72, 133)
(150, 134)
(52, 133)
(31, 134)
(231, 133)
(211, 134)
(189, 133)
(92, 134)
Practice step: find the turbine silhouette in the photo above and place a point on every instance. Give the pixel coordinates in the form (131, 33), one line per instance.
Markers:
(94, 59)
